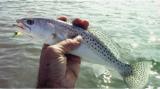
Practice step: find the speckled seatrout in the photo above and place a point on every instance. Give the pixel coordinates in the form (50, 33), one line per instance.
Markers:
(92, 48)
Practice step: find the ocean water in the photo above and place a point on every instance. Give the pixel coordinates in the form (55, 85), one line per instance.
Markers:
(133, 24)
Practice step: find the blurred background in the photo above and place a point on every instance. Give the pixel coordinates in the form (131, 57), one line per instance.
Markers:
(133, 24)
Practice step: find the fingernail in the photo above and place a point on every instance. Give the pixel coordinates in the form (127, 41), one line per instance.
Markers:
(79, 38)
(63, 18)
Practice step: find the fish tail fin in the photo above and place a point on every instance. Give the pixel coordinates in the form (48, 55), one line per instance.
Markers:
(139, 75)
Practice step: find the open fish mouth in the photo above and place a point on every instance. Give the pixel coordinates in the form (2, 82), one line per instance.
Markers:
(20, 25)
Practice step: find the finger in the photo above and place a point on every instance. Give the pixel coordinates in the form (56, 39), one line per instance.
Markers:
(73, 64)
(69, 44)
(81, 23)
(45, 46)
(43, 50)
(42, 79)
(52, 67)
(63, 18)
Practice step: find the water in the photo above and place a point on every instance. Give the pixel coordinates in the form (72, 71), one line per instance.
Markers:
(133, 24)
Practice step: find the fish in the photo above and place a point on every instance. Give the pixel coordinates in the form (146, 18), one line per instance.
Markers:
(92, 48)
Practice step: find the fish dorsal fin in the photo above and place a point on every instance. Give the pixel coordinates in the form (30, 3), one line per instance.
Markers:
(107, 41)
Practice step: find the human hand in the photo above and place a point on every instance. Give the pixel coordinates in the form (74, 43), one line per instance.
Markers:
(57, 68)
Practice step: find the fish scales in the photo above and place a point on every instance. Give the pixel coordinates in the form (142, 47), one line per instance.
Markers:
(98, 47)
(135, 75)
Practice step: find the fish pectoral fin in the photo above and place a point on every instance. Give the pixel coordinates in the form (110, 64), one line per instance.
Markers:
(61, 35)
(49, 40)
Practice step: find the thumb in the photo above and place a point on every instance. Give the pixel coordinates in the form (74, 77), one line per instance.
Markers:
(70, 44)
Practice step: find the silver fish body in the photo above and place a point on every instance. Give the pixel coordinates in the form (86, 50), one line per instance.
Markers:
(92, 48)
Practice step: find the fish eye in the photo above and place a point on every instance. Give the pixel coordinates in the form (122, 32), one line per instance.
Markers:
(30, 22)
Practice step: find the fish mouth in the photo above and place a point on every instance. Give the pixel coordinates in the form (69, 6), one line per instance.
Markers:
(19, 24)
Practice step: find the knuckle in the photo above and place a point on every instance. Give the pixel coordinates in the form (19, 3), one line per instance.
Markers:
(52, 49)
(69, 41)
